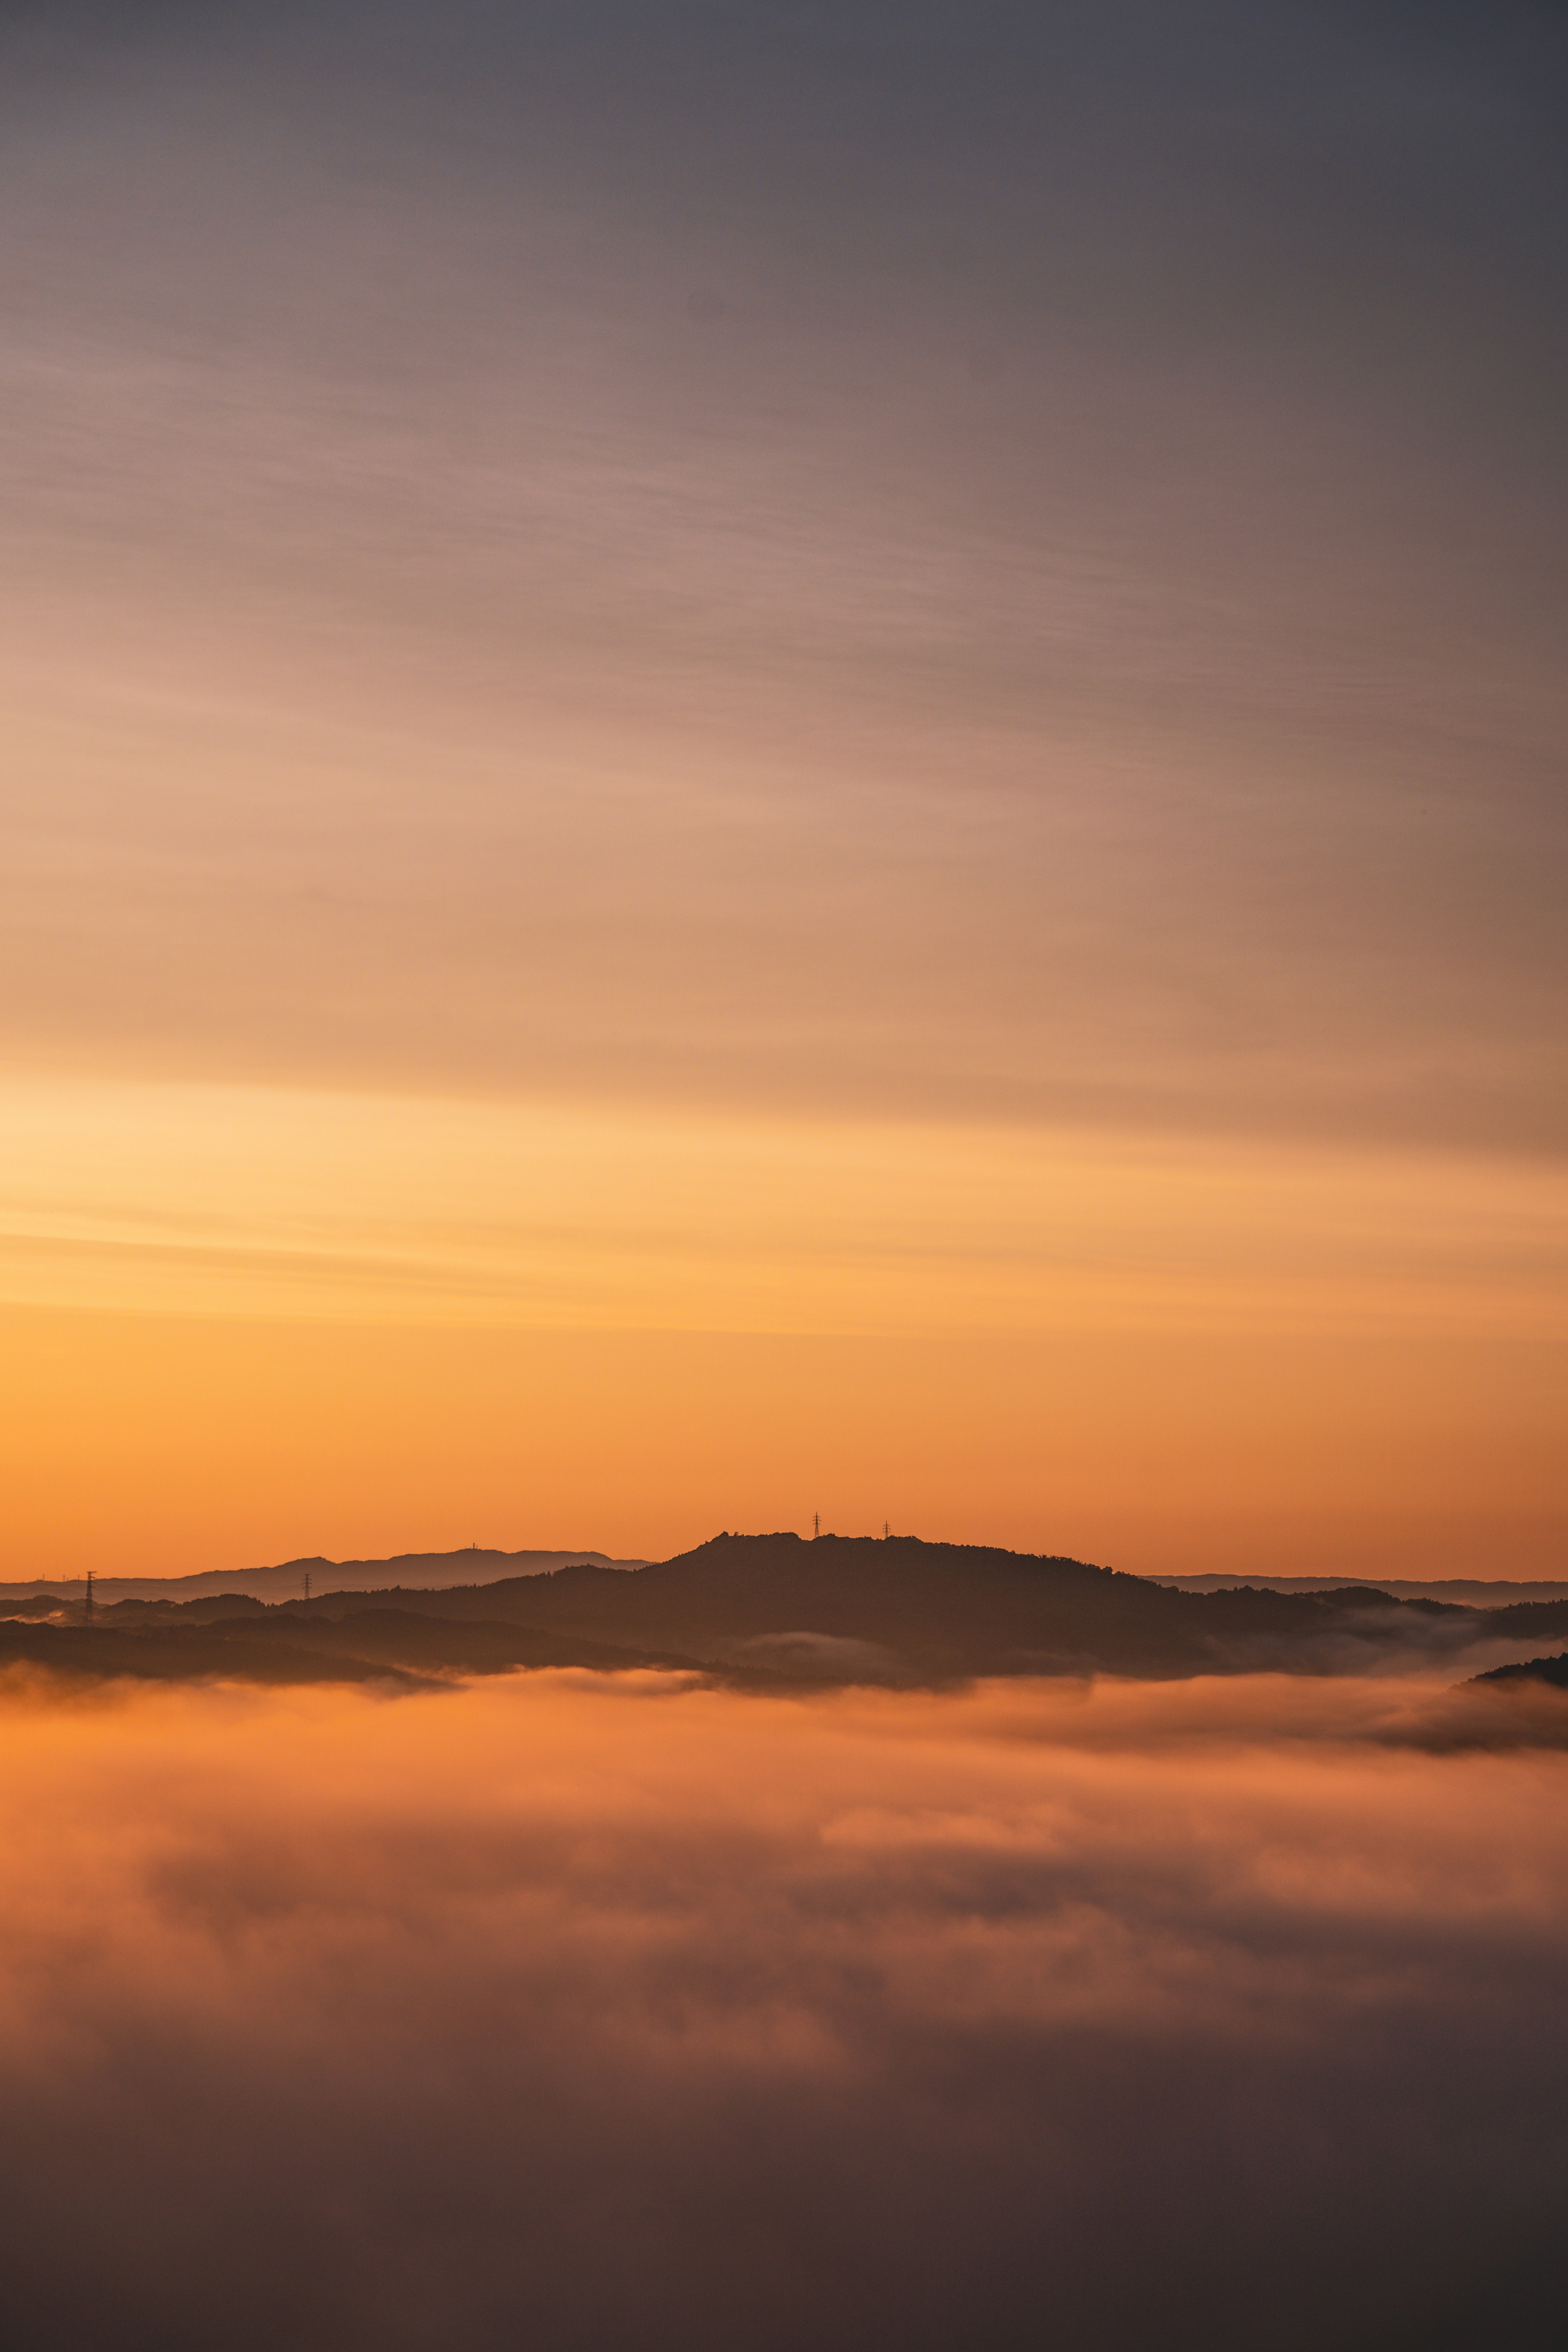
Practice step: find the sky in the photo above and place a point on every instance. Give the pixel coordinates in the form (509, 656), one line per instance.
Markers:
(779, 759)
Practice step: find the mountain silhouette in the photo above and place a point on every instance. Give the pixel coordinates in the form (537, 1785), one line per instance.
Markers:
(771, 1611)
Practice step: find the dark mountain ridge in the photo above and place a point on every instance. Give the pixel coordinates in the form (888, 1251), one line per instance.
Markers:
(774, 1608)
(965, 1609)
(1551, 1672)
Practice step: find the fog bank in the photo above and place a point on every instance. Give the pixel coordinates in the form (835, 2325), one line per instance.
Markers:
(637, 2013)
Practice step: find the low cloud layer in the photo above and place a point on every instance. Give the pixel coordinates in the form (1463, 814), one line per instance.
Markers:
(638, 2014)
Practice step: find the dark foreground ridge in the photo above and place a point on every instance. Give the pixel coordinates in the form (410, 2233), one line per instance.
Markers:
(774, 1611)
(1550, 1672)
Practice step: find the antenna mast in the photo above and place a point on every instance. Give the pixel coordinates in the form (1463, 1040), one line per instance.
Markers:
(88, 1610)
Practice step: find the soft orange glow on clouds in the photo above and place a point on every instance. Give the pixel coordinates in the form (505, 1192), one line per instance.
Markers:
(245, 1201)
(592, 2007)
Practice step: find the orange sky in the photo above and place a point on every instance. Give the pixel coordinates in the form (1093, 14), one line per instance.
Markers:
(710, 815)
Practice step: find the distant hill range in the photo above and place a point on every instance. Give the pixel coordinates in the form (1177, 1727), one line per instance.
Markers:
(431, 1572)
(768, 1610)
(1469, 1591)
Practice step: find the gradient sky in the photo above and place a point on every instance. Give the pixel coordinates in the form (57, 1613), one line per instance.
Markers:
(762, 759)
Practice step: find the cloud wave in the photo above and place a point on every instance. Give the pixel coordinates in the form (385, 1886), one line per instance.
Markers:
(586, 2014)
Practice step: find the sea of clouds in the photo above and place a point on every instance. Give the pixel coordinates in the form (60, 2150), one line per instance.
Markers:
(627, 2012)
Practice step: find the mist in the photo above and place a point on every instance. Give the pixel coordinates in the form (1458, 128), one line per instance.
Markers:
(625, 2010)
